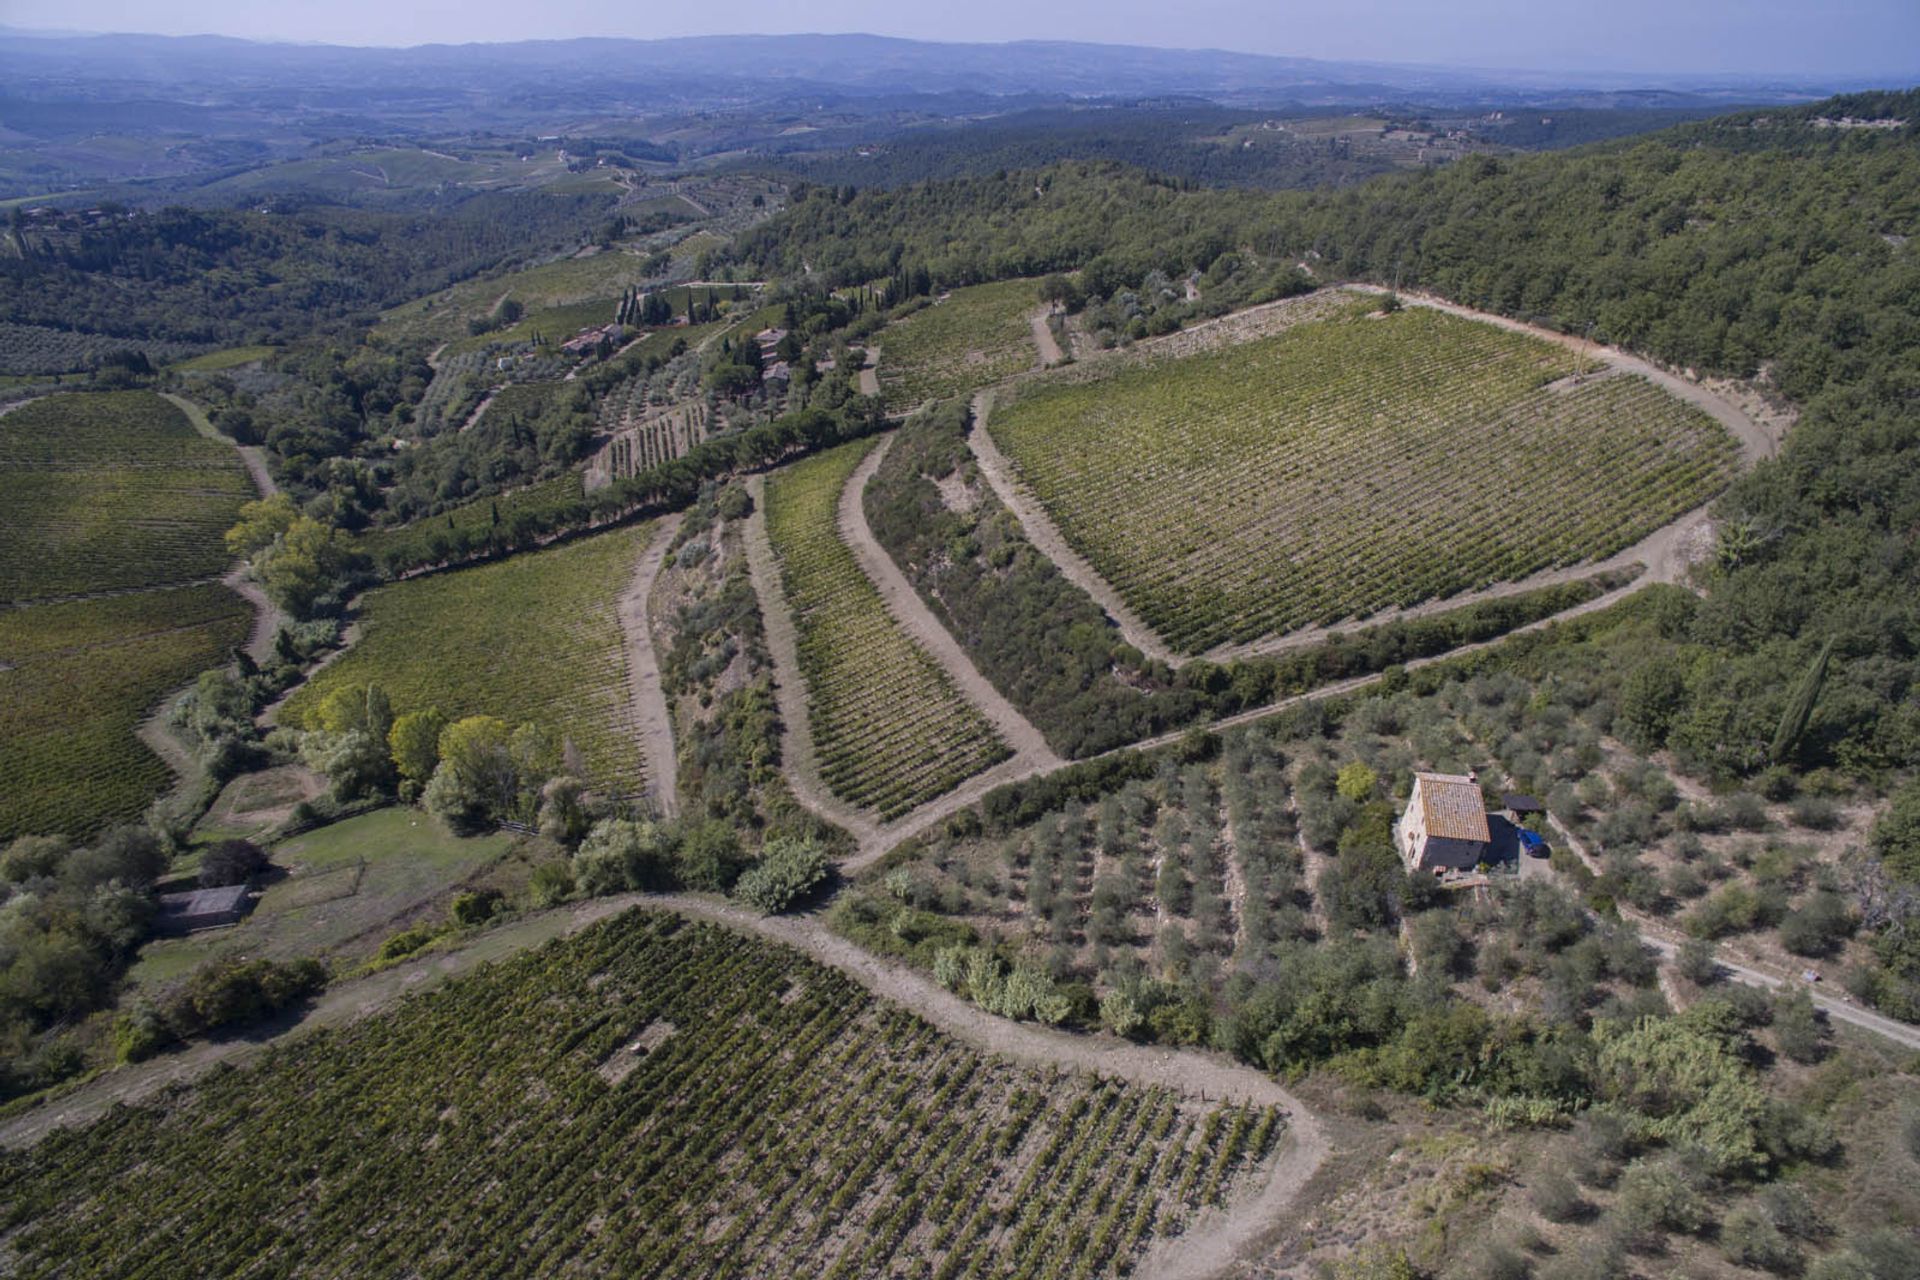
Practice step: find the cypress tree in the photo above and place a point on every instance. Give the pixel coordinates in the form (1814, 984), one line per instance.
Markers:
(1793, 721)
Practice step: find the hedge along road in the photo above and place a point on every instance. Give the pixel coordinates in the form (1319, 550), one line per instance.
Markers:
(1665, 554)
(1209, 1246)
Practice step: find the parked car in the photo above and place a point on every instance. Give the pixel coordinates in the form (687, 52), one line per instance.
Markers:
(1532, 843)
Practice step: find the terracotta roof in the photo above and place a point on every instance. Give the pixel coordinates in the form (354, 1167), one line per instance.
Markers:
(1453, 807)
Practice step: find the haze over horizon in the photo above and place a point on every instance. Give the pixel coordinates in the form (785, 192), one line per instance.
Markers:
(1853, 39)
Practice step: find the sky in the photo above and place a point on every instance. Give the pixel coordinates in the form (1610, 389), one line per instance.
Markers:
(1834, 38)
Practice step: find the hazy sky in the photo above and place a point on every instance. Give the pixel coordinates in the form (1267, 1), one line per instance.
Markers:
(1809, 37)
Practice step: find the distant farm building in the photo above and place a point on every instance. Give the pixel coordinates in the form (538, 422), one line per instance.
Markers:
(587, 339)
(1445, 825)
(202, 909)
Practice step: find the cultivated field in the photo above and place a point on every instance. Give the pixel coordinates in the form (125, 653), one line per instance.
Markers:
(76, 681)
(534, 638)
(890, 730)
(111, 490)
(650, 1097)
(1351, 465)
(973, 337)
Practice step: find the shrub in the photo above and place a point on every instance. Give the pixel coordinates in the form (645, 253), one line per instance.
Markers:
(404, 944)
(1749, 1238)
(1555, 1196)
(1796, 1026)
(139, 1033)
(1698, 962)
(1819, 927)
(619, 855)
(1656, 1197)
(709, 857)
(788, 871)
(225, 992)
(550, 884)
(475, 907)
(231, 862)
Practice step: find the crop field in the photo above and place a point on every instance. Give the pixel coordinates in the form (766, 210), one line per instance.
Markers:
(534, 638)
(111, 490)
(975, 337)
(569, 281)
(890, 730)
(31, 349)
(650, 441)
(227, 358)
(647, 1098)
(1352, 465)
(76, 681)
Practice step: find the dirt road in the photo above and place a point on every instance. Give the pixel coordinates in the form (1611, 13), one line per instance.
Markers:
(1043, 339)
(918, 621)
(652, 720)
(1046, 536)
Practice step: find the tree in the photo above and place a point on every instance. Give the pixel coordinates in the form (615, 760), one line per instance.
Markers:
(301, 565)
(1799, 709)
(261, 523)
(1796, 1026)
(414, 742)
(1651, 699)
(1896, 836)
(231, 862)
(478, 754)
(789, 869)
(710, 857)
(1356, 781)
(619, 855)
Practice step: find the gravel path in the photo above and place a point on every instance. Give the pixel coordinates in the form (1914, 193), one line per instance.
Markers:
(653, 722)
(789, 686)
(1043, 339)
(1045, 535)
(870, 373)
(1211, 1245)
(266, 614)
(913, 616)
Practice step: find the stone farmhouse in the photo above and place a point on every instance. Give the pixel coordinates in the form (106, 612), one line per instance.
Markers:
(1444, 828)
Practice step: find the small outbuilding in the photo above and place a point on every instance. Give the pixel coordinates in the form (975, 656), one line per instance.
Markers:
(202, 909)
(1520, 807)
(1444, 827)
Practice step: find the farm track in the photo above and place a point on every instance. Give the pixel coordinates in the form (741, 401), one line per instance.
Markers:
(1046, 536)
(789, 686)
(1043, 339)
(652, 721)
(1209, 1246)
(919, 622)
(266, 615)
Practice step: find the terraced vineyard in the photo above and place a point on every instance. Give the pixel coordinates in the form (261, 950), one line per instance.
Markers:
(111, 490)
(640, 443)
(76, 681)
(889, 728)
(974, 337)
(534, 638)
(1352, 465)
(648, 1098)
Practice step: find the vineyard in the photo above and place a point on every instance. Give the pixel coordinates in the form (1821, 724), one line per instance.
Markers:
(1353, 465)
(971, 338)
(77, 679)
(890, 729)
(647, 1098)
(111, 490)
(640, 443)
(534, 638)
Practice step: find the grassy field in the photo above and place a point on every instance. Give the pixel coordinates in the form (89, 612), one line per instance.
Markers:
(534, 638)
(338, 888)
(976, 336)
(76, 681)
(1351, 465)
(564, 283)
(890, 729)
(230, 358)
(111, 490)
(650, 1097)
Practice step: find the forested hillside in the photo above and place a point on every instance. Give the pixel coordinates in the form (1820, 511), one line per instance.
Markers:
(1765, 244)
(207, 278)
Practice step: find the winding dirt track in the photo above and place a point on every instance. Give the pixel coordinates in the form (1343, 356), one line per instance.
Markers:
(1207, 1247)
(1043, 338)
(266, 614)
(918, 621)
(652, 720)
